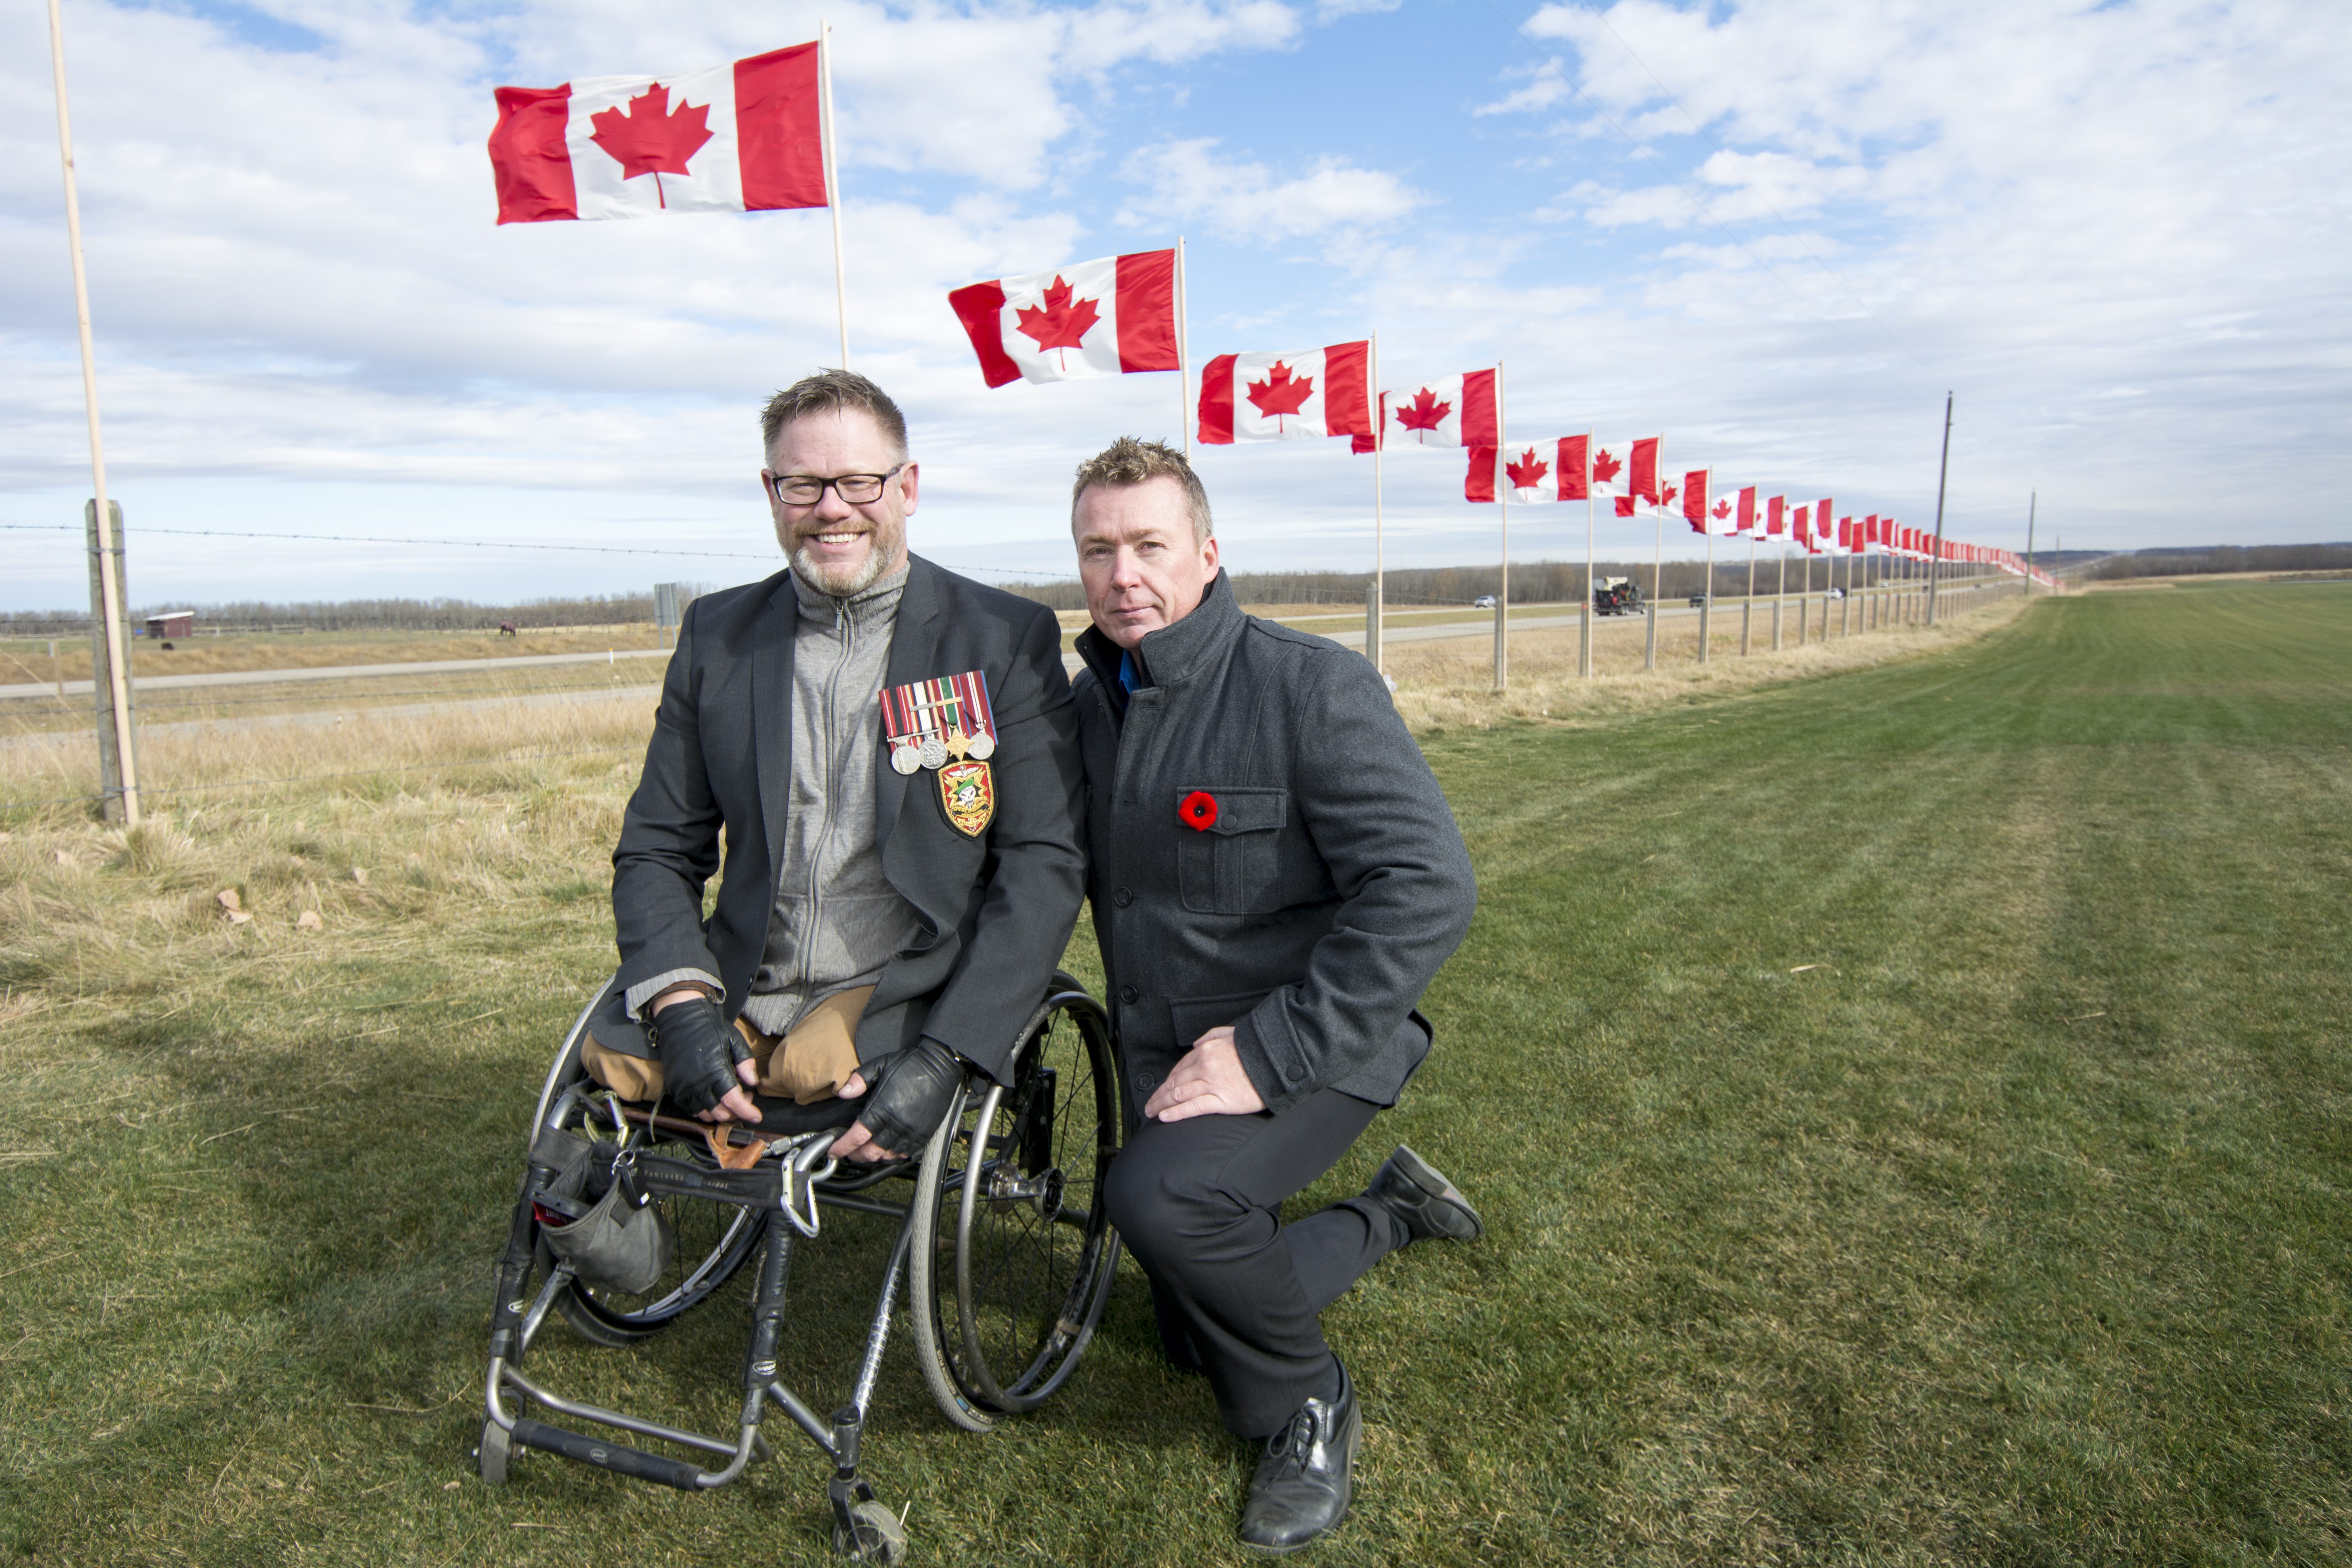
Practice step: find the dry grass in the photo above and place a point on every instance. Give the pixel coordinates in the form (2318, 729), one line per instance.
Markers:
(367, 755)
(27, 660)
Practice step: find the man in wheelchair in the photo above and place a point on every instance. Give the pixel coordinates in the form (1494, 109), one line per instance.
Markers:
(880, 759)
(888, 753)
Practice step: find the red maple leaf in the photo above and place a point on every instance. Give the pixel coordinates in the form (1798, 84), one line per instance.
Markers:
(1722, 510)
(1528, 472)
(1425, 411)
(655, 142)
(1280, 394)
(1667, 494)
(1063, 324)
(1604, 467)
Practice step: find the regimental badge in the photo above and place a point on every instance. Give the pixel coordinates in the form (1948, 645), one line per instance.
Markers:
(927, 723)
(968, 792)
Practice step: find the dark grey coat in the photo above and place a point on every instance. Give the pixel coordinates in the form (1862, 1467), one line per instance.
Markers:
(996, 911)
(1315, 911)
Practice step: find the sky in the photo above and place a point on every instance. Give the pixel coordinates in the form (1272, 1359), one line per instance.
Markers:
(1777, 233)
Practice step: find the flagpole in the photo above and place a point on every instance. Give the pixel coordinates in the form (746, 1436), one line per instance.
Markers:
(1584, 651)
(1780, 591)
(833, 185)
(1503, 495)
(1183, 392)
(1748, 609)
(1377, 611)
(109, 586)
(2032, 507)
(1706, 590)
(1657, 567)
(1943, 467)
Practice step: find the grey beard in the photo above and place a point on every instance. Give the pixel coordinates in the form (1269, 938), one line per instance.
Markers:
(836, 584)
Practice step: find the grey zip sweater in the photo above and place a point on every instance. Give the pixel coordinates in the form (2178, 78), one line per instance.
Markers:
(836, 920)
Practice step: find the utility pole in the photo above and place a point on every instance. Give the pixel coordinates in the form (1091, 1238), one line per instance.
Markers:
(1935, 561)
(118, 672)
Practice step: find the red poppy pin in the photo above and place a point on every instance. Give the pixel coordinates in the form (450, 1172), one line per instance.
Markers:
(1198, 810)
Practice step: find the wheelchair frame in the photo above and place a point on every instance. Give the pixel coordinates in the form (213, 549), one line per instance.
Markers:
(792, 1177)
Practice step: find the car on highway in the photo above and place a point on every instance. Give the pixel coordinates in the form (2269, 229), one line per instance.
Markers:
(1482, 602)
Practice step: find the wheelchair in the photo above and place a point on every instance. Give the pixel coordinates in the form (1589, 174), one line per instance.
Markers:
(1002, 1244)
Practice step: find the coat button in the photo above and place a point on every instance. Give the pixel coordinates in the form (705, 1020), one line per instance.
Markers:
(1128, 994)
(1122, 898)
(1147, 1082)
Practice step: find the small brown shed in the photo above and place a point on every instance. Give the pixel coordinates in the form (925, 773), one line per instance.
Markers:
(172, 624)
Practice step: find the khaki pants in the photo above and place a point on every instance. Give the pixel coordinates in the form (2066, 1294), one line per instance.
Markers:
(809, 1064)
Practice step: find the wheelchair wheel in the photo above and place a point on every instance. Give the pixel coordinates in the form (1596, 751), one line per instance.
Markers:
(1013, 1254)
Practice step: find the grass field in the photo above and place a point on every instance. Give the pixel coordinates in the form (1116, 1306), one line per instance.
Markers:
(1909, 1105)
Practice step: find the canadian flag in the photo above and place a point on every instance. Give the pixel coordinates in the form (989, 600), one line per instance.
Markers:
(1109, 317)
(1549, 472)
(1747, 518)
(1776, 517)
(1288, 396)
(1608, 478)
(1458, 411)
(1642, 483)
(1800, 527)
(746, 137)
(1696, 501)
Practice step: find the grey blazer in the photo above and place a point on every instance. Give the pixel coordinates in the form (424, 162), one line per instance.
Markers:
(996, 911)
(1315, 907)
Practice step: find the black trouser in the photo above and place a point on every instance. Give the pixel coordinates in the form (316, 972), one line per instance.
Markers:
(1199, 1203)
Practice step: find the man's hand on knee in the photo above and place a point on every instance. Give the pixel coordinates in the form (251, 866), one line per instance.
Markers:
(705, 1067)
(1208, 1081)
(911, 1090)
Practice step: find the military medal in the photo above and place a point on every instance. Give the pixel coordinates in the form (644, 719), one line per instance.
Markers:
(968, 796)
(930, 723)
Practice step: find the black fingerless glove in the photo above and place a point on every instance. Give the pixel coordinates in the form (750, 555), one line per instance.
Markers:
(911, 1091)
(698, 1049)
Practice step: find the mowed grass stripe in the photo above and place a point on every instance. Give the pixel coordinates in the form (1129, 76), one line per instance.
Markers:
(2010, 1231)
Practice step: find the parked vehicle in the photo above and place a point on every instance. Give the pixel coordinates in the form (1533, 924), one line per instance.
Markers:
(1616, 596)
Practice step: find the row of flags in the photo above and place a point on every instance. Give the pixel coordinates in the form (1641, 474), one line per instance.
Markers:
(755, 135)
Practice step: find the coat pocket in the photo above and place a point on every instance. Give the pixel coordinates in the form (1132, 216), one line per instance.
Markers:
(1233, 865)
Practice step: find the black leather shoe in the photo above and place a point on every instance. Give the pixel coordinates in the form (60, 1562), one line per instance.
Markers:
(1414, 1190)
(1301, 1489)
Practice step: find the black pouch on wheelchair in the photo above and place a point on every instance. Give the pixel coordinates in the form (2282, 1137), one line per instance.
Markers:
(613, 1242)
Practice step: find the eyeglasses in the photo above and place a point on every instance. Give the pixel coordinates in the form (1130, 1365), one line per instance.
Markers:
(807, 489)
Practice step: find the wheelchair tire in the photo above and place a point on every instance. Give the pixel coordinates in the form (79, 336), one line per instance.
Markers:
(1013, 1256)
(874, 1535)
(714, 1240)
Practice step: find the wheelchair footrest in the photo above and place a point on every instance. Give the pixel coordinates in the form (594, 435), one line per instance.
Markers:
(606, 1456)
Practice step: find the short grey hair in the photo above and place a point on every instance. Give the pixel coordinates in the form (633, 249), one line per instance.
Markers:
(1128, 462)
(824, 392)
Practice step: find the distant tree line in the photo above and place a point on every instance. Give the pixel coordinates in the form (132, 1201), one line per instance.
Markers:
(2225, 557)
(1532, 583)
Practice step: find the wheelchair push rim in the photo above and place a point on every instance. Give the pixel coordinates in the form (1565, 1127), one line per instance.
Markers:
(1022, 1254)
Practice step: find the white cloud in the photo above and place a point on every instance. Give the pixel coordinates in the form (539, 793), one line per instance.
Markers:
(1250, 201)
(1547, 84)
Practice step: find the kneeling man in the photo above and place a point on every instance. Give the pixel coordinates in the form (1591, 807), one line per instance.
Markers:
(1275, 877)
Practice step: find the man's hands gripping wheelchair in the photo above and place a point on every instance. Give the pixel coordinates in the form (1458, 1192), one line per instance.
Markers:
(707, 1071)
